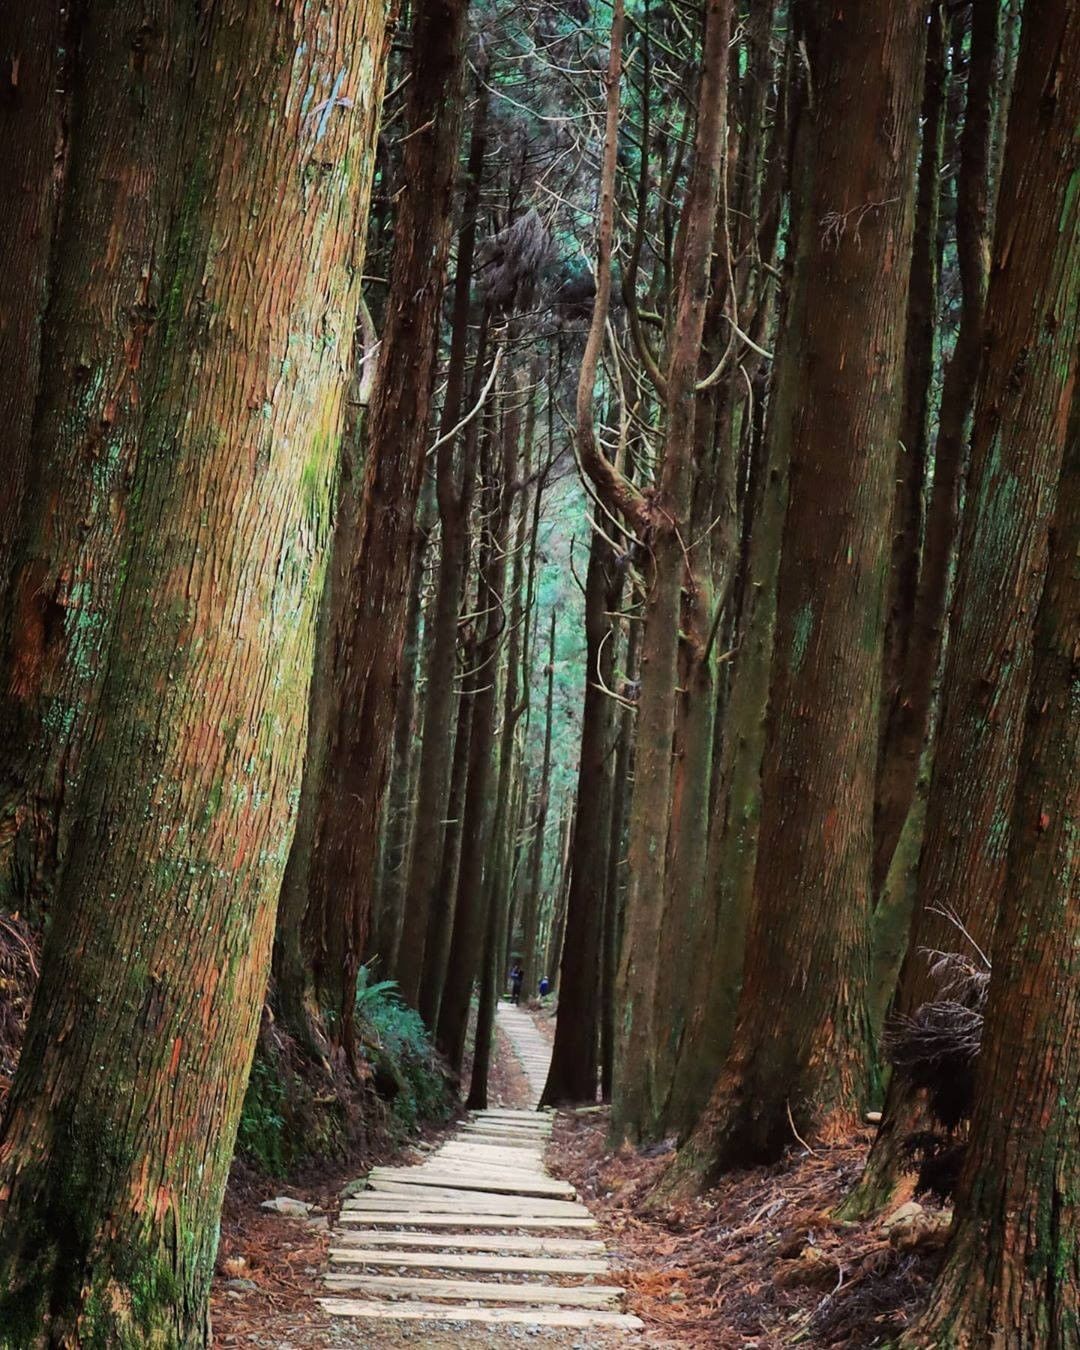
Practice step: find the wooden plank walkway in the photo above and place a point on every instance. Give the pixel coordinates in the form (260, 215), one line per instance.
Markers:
(479, 1232)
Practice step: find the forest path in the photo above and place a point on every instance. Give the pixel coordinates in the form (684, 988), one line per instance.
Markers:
(480, 1233)
(528, 1044)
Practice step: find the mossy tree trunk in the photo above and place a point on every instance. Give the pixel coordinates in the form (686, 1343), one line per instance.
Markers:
(120, 1125)
(87, 380)
(1011, 1277)
(808, 944)
(1016, 448)
(908, 705)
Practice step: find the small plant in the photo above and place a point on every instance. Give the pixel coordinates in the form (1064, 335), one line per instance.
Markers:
(406, 1069)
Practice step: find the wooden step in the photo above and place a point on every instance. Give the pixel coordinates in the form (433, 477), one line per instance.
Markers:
(431, 1201)
(490, 1291)
(491, 1242)
(542, 1187)
(493, 1264)
(440, 1312)
(444, 1219)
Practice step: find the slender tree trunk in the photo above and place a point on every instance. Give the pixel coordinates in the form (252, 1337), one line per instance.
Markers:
(395, 855)
(922, 316)
(367, 669)
(572, 1076)
(470, 913)
(560, 894)
(1032, 337)
(1012, 1271)
(615, 891)
(425, 906)
(119, 1131)
(438, 950)
(808, 945)
(499, 879)
(531, 909)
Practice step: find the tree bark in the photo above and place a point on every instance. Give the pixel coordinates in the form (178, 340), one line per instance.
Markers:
(530, 919)
(807, 949)
(32, 153)
(1011, 1277)
(910, 709)
(572, 1075)
(367, 669)
(1031, 329)
(108, 259)
(120, 1125)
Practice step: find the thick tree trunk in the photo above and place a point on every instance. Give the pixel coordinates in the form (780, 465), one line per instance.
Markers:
(32, 151)
(910, 709)
(416, 973)
(808, 945)
(120, 1125)
(1012, 1271)
(572, 1076)
(367, 669)
(1032, 333)
(108, 260)
(636, 1101)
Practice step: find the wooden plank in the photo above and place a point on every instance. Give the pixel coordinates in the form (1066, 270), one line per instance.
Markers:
(542, 1187)
(464, 1202)
(476, 1242)
(439, 1312)
(493, 1264)
(443, 1219)
(489, 1291)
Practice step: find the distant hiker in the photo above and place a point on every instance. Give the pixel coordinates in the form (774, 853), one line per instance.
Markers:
(517, 977)
(545, 985)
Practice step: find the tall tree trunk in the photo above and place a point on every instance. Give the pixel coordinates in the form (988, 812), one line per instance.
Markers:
(615, 892)
(560, 894)
(470, 910)
(572, 1076)
(922, 320)
(389, 916)
(1031, 329)
(808, 946)
(367, 669)
(120, 1125)
(909, 714)
(499, 877)
(416, 976)
(1012, 1276)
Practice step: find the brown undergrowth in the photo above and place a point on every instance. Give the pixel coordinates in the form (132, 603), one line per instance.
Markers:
(759, 1261)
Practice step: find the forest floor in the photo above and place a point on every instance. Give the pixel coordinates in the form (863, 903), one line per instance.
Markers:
(758, 1263)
